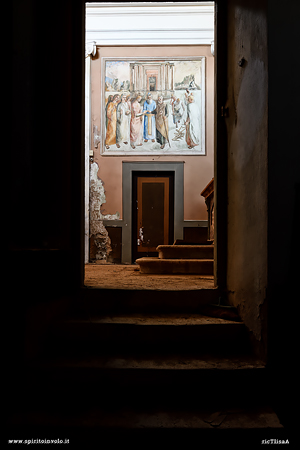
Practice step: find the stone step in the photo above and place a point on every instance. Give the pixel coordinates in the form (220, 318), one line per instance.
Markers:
(176, 266)
(185, 251)
(187, 299)
(158, 333)
(69, 388)
(141, 380)
(99, 427)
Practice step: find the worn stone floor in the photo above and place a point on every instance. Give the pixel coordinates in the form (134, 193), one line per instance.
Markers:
(122, 276)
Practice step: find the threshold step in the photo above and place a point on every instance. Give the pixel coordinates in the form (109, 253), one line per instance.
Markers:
(123, 301)
(159, 333)
(239, 427)
(152, 362)
(152, 327)
(177, 380)
(185, 251)
(176, 266)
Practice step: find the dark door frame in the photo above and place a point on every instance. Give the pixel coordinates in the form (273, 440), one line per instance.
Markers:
(149, 166)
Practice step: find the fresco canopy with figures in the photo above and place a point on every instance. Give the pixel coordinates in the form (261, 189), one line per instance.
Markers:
(153, 106)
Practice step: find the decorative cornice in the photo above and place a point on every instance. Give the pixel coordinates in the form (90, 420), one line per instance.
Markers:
(165, 37)
(90, 49)
(148, 5)
(146, 23)
(146, 12)
(153, 30)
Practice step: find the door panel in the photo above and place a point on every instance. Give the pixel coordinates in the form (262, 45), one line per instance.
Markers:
(152, 212)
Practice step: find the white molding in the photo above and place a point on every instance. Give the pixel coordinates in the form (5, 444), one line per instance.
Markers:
(94, 13)
(154, 30)
(165, 37)
(148, 5)
(170, 23)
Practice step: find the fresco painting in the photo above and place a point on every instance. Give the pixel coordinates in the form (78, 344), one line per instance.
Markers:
(153, 106)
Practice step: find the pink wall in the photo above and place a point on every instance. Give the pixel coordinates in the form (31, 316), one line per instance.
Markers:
(198, 170)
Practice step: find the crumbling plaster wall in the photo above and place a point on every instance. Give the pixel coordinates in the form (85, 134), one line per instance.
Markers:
(99, 239)
(247, 131)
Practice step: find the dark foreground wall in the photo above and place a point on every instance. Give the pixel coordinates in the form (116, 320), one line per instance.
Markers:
(283, 195)
(45, 194)
(247, 153)
(45, 173)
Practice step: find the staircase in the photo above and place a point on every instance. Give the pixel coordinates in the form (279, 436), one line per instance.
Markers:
(133, 365)
(180, 259)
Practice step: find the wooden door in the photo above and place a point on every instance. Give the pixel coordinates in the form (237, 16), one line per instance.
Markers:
(154, 214)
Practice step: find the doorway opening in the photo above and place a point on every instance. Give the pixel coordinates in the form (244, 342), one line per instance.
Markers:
(152, 83)
(135, 199)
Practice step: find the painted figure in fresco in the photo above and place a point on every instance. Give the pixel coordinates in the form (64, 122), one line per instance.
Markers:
(136, 122)
(110, 98)
(128, 100)
(177, 111)
(172, 103)
(149, 121)
(123, 122)
(192, 123)
(111, 116)
(162, 128)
